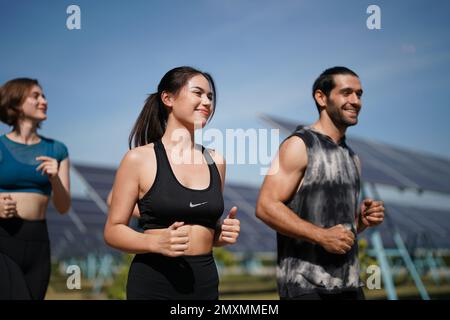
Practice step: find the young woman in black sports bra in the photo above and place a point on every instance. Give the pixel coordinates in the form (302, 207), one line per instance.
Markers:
(178, 187)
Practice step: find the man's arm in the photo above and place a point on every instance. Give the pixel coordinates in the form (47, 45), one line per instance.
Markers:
(282, 181)
(371, 213)
(360, 226)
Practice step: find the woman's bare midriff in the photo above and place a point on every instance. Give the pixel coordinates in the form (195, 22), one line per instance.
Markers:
(30, 206)
(200, 238)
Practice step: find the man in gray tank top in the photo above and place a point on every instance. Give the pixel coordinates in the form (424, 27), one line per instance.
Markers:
(310, 197)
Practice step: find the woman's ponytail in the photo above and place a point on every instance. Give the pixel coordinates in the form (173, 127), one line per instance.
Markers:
(151, 123)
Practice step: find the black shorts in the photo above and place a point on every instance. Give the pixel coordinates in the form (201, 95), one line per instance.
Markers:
(156, 277)
(24, 259)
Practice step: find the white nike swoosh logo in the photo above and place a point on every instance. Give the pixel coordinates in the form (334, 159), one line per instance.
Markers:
(196, 205)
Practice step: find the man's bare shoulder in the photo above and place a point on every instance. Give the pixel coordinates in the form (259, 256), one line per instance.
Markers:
(293, 154)
(294, 142)
(293, 147)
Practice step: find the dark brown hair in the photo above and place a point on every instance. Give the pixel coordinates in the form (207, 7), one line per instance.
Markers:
(12, 95)
(325, 82)
(152, 121)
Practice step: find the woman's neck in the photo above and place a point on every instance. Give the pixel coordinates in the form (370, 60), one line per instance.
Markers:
(177, 135)
(25, 132)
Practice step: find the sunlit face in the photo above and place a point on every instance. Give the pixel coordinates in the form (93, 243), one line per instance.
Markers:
(344, 102)
(35, 106)
(194, 103)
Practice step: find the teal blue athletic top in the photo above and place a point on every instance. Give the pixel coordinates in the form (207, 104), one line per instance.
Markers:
(18, 164)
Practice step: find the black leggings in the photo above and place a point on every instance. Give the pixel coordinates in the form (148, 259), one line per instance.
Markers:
(356, 294)
(156, 277)
(24, 259)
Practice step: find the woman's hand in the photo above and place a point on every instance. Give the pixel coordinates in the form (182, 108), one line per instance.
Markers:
(173, 242)
(230, 229)
(48, 166)
(8, 206)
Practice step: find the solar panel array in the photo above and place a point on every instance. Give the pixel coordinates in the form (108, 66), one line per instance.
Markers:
(390, 165)
(81, 231)
(99, 178)
(419, 227)
(393, 166)
(255, 236)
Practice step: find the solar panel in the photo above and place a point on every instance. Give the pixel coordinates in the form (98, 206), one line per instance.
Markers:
(255, 236)
(394, 166)
(99, 178)
(77, 233)
(415, 223)
(81, 232)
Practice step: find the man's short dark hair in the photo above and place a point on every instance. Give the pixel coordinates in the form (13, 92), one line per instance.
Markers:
(325, 82)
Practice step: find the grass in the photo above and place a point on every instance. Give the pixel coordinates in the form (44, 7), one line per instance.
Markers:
(238, 287)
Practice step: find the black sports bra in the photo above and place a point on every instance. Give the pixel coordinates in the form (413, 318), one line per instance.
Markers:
(169, 201)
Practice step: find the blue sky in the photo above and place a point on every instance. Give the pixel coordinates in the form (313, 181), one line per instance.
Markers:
(264, 56)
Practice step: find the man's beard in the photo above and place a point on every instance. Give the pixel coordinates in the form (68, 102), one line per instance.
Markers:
(339, 119)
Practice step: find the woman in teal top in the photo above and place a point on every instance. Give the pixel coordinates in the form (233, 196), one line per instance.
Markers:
(33, 169)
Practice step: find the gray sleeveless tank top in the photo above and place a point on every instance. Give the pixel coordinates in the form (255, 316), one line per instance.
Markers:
(328, 196)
